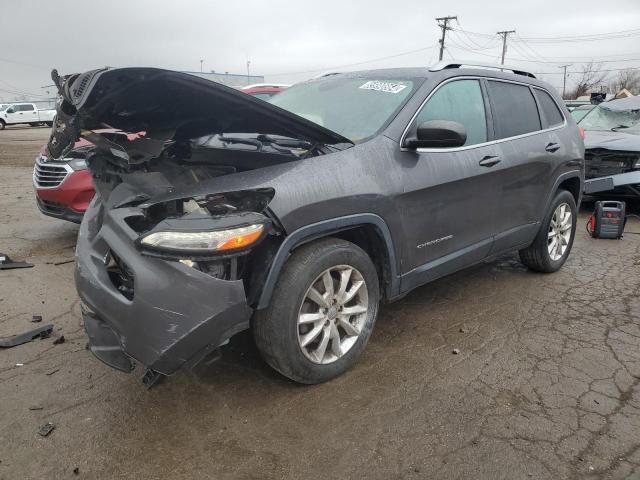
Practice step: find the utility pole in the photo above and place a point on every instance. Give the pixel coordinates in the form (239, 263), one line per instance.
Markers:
(248, 72)
(201, 65)
(505, 34)
(443, 23)
(564, 78)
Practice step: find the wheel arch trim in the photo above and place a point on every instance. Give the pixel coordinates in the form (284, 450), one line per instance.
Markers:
(561, 178)
(323, 229)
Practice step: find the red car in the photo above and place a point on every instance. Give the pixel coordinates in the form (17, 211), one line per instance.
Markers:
(64, 189)
(263, 91)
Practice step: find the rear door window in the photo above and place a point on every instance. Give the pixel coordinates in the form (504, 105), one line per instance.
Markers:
(26, 108)
(515, 109)
(549, 108)
(458, 101)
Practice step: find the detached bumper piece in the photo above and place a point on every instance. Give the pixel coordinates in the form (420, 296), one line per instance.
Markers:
(138, 308)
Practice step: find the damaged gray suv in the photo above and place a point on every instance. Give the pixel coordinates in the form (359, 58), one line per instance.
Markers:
(218, 212)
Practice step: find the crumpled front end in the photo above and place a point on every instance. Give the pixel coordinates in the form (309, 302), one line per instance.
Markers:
(161, 313)
(170, 257)
(601, 162)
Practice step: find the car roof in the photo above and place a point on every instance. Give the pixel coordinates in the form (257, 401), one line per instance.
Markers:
(424, 73)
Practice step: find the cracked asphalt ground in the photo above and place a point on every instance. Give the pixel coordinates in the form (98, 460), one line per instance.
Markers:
(546, 384)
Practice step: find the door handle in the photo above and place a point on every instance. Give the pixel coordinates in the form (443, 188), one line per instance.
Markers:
(489, 161)
(552, 147)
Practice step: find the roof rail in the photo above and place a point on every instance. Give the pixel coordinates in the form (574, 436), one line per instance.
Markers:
(490, 66)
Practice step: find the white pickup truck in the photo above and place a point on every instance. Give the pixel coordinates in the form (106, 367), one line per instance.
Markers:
(25, 113)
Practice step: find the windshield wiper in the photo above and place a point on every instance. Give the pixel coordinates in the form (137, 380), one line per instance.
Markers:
(284, 145)
(286, 142)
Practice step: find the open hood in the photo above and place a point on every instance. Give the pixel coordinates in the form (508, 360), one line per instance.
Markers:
(167, 105)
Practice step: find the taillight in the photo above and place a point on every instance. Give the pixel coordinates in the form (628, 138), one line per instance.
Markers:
(581, 132)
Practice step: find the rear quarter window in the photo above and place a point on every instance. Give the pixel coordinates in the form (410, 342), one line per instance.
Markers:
(549, 108)
(515, 109)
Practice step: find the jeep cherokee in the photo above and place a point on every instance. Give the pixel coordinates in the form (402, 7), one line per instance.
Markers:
(220, 212)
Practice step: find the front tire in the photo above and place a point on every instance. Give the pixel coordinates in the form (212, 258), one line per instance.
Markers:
(2, 124)
(551, 247)
(321, 313)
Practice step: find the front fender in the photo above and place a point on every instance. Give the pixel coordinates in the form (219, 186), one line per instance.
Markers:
(323, 229)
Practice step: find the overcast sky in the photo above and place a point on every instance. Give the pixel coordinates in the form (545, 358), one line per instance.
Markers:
(282, 38)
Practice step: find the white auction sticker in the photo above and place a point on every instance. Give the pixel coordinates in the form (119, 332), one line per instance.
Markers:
(387, 87)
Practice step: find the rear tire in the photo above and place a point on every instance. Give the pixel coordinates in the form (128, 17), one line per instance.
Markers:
(551, 247)
(321, 313)
(2, 124)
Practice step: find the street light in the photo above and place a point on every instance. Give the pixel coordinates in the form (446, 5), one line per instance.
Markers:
(201, 65)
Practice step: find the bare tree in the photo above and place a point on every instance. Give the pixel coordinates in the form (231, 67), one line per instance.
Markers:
(589, 77)
(629, 79)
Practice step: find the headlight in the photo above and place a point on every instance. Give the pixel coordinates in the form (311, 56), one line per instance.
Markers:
(77, 163)
(205, 242)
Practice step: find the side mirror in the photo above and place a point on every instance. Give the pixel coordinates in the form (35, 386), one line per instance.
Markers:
(438, 134)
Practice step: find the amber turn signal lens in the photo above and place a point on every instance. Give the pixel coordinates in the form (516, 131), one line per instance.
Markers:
(241, 241)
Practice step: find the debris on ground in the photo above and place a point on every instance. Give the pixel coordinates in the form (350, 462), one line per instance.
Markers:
(464, 329)
(456, 351)
(40, 332)
(46, 429)
(36, 407)
(48, 374)
(76, 471)
(59, 340)
(19, 364)
(7, 264)
(64, 262)
(36, 318)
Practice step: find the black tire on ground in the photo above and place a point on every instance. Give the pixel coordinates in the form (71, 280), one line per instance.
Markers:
(537, 256)
(276, 329)
(2, 124)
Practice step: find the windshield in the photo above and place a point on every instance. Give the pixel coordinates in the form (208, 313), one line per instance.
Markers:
(356, 108)
(603, 119)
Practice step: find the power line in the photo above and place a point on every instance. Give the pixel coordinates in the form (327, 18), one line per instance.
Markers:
(574, 38)
(491, 43)
(564, 78)
(443, 23)
(505, 34)
(558, 61)
(401, 54)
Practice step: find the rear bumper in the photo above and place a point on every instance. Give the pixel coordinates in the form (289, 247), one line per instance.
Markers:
(176, 314)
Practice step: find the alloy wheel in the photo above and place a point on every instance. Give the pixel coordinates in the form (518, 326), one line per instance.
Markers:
(332, 314)
(560, 230)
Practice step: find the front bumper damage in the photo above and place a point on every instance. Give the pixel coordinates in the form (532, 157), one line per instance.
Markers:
(170, 307)
(176, 315)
